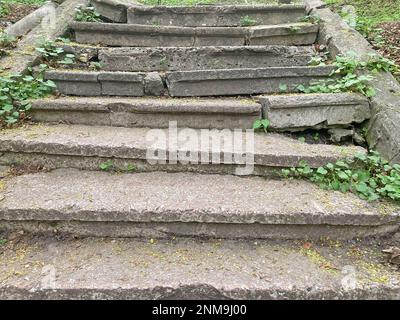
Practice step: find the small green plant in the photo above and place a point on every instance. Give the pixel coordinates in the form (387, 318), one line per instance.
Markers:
(54, 55)
(293, 29)
(247, 21)
(261, 124)
(310, 19)
(2, 242)
(6, 42)
(283, 87)
(94, 65)
(106, 166)
(367, 175)
(4, 10)
(316, 136)
(15, 92)
(87, 14)
(302, 139)
(130, 168)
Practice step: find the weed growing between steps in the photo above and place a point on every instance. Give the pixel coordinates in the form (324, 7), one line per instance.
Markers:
(367, 175)
(15, 92)
(109, 166)
(87, 14)
(53, 55)
(350, 75)
(6, 43)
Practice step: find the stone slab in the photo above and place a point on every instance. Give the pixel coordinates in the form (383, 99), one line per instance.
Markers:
(185, 198)
(88, 146)
(145, 112)
(301, 111)
(214, 16)
(90, 268)
(294, 34)
(242, 81)
(113, 10)
(79, 83)
(133, 35)
(202, 58)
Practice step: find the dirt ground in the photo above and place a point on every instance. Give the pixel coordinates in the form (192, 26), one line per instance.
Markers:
(17, 12)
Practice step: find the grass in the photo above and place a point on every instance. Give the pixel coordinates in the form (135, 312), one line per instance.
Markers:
(30, 2)
(198, 2)
(375, 11)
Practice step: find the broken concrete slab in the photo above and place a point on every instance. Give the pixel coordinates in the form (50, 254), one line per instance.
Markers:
(294, 34)
(113, 10)
(302, 111)
(154, 85)
(146, 112)
(133, 35)
(86, 147)
(214, 16)
(80, 83)
(242, 81)
(203, 58)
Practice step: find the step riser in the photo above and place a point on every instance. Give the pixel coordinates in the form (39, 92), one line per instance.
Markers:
(242, 82)
(150, 120)
(293, 113)
(273, 169)
(213, 16)
(147, 36)
(196, 292)
(183, 59)
(197, 230)
(187, 83)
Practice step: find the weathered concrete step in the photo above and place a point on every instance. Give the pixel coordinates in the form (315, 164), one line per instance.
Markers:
(300, 111)
(152, 113)
(220, 151)
(86, 83)
(223, 82)
(133, 35)
(242, 81)
(130, 269)
(128, 205)
(215, 16)
(203, 58)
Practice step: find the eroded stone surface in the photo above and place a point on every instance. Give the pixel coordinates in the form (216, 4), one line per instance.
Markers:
(291, 112)
(180, 269)
(201, 58)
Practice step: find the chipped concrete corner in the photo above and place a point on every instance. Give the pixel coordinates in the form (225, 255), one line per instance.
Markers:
(383, 132)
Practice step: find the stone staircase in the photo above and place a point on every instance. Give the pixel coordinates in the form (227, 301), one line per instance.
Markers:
(198, 68)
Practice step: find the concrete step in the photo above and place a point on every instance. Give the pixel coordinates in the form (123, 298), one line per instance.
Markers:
(215, 16)
(211, 151)
(134, 35)
(203, 58)
(48, 268)
(224, 82)
(149, 112)
(165, 205)
(242, 81)
(317, 111)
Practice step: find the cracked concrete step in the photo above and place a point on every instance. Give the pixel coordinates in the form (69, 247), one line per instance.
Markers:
(146, 112)
(243, 81)
(300, 111)
(203, 58)
(215, 16)
(91, 83)
(92, 203)
(91, 268)
(133, 35)
(197, 83)
(219, 151)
